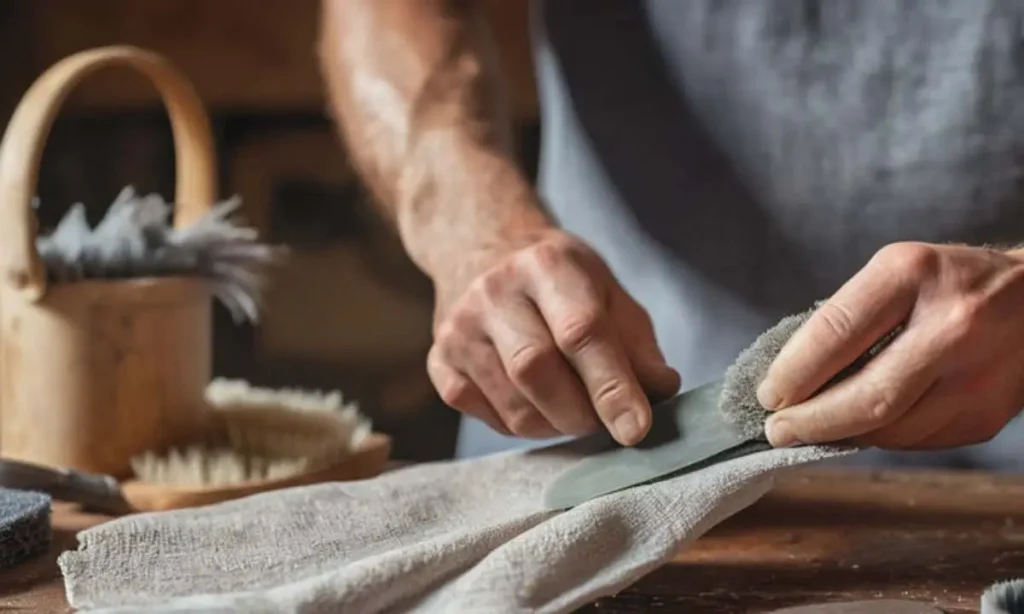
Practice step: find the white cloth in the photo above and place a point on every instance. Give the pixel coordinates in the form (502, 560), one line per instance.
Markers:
(457, 536)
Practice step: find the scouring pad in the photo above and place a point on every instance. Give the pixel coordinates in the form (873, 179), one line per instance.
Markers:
(738, 402)
(25, 530)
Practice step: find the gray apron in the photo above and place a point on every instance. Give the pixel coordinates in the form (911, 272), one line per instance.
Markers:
(735, 160)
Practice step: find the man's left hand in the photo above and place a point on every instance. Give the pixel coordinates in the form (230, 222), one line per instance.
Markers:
(954, 376)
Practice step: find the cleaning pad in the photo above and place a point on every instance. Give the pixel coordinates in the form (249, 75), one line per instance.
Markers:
(738, 398)
(24, 526)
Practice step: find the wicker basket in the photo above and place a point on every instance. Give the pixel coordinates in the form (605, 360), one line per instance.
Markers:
(94, 372)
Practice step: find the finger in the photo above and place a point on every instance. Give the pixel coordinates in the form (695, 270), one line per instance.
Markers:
(963, 430)
(460, 393)
(520, 417)
(977, 409)
(656, 377)
(579, 323)
(932, 413)
(867, 307)
(874, 397)
(537, 368)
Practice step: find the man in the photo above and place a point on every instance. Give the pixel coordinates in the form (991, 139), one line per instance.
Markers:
(707, 167)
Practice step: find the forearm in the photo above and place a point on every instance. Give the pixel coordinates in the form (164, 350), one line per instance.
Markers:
(415, 90)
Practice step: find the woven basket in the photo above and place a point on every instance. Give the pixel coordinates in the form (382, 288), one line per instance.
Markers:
(93, 372)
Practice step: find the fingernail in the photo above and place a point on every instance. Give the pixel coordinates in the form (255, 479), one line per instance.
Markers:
(779, 433)
(627, 428)
(767, 396)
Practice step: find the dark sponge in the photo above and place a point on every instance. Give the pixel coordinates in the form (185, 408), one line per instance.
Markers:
(24, 526)
(738, 400)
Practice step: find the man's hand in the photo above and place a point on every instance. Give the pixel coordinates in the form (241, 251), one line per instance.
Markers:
(532, 332)
(954, 376)
(539, 340)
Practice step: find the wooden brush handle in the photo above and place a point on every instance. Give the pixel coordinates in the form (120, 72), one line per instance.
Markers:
(26, 134)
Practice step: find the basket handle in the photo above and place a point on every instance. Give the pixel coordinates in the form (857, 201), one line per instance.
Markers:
(22, 148)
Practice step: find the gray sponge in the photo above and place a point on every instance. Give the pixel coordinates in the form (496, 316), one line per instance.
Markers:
(24, 526)
(738, 402)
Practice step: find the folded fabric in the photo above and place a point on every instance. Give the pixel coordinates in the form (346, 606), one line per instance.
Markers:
(460, 536)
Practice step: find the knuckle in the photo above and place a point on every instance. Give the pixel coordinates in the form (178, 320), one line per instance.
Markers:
(882, 410)
(960, 321)
(451, 332)
(459, 327)
(456, 392)
(612, 394)
(447, 334)
(547, 256)
(492, 284)
(837, 319)
(521, 421)
(530, 362)
(578, 331)
(909, 258)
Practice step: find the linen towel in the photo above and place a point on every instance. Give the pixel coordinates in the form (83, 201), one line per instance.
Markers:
(456, 536)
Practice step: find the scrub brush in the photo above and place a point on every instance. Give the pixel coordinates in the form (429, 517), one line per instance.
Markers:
(258, 440)
(260, 434)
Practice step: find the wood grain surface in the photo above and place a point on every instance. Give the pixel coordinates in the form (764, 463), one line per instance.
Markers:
(821, 535)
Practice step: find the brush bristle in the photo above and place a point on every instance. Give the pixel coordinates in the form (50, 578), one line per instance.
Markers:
(260, 434)
(1004, 598)
(738, 400)
(211, 466)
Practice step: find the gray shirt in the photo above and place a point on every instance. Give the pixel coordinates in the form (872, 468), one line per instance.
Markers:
(735, 160)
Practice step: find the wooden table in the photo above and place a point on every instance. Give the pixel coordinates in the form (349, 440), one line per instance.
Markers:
(820, 535)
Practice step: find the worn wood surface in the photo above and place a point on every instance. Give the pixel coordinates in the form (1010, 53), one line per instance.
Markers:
(821, 535)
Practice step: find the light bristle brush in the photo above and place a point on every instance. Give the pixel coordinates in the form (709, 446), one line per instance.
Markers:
(258, 440)
(260, 434)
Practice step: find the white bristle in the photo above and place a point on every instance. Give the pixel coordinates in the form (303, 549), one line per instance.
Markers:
(270, 434)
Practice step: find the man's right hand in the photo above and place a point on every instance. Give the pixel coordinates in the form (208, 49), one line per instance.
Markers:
(533, 334)
(538, 339)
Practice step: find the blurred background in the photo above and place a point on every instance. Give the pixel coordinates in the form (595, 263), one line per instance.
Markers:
(349, 312)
